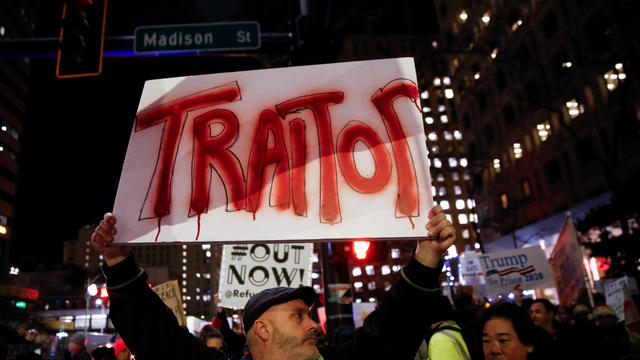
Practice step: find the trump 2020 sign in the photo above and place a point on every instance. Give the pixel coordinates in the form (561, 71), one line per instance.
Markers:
(527, 267)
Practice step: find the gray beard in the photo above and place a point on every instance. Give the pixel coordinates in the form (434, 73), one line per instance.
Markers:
(290, 346)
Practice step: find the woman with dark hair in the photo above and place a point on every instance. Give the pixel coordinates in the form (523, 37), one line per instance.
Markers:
(509, 334)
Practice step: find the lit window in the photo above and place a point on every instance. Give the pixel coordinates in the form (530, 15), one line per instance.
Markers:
(433, 189)
(315, 275)
(455, 176)
(517, 150)
(544, 131)
(372, 286)
(184, 275)
(184, 268)
(465, 233)
(446, 80)
(567, 64)
(184, 253)
(494, 53)
(184, 260)
(470, 203)
(459, 204)
(437, 163)
(476, 76)
(356, 271)
(451, 252)
(504, 201)
(463, 15)
(448, 217)
(370, 270)
(448, 136)
(396, 268)
(435, 149)
(457, 189)
(433, 136)
(463, 162)
(442, 191)
(453, 162)
(357, 285)
(385, 270)
(574, 108)
(436, 81)
(441, 108)
(486, 19)
(426, 109)
(614, 77)
(496, 164)
(428, 120)
(448, 93)
(314, 257)
(424, 95)
(444, 119)
(2, 30)
(462, 219)
(206, 246)
(184, 247)
(395, 253)
(316, 287)
(387, 286)
(198, 275)
(516, 25)
(444, 204)
(439, 178)
(207, 276)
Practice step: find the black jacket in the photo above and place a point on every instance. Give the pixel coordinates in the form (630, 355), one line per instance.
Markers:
(151, 331)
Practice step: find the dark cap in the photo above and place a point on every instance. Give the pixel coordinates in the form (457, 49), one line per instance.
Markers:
(262, 301)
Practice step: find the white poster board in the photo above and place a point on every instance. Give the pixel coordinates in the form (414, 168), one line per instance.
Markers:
(361, 310)
(527, 267)
(247, 269)
(317, 152)
(470, 269)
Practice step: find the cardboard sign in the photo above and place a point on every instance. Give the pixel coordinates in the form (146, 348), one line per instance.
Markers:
(169, 292)
(614, 293)
(249, 269)
(567, 266)
(308, 153)
(470, 270)
(527, 267)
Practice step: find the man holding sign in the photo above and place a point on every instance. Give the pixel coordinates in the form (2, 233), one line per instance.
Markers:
(277, 321)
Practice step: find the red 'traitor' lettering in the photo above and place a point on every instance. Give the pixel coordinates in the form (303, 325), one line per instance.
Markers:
(319, 105)
(174, 114)
(407, 204)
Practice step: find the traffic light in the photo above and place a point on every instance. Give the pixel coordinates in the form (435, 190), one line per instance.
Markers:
(364, 250)
(81, 39)
(360, 249)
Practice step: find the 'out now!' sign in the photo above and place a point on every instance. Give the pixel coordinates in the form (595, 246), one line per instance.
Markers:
(303, 153)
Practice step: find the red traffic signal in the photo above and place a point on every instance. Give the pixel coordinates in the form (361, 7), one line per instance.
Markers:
(360, 249)
(104, 294)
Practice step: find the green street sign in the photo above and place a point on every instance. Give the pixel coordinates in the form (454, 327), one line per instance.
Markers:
(244, 35)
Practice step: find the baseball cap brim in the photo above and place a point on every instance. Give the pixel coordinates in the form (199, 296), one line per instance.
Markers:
(262, 301)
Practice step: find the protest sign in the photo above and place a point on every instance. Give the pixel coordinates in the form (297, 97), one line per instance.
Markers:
(614, 293)
(470, 270)
(360, 312)
(333, 151)
(249, 269)
(169, 292)
(527, 267)
(567, 266)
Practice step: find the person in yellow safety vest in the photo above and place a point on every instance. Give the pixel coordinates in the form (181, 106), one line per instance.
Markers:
(444, 341)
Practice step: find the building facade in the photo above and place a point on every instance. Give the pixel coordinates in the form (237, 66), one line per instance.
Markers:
(548, 111)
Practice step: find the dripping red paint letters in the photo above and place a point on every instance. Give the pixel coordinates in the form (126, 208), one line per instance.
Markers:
(246, 161)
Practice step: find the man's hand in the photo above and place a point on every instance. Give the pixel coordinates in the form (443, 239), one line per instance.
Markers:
(102, 238)
(429, 251)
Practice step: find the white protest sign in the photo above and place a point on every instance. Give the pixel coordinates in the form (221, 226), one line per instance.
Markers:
(301, 153)
(614, 294)
(470, 270)
(247, 269)
(528, 267)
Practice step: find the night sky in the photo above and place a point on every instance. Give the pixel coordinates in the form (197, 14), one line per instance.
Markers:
(77, 130)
